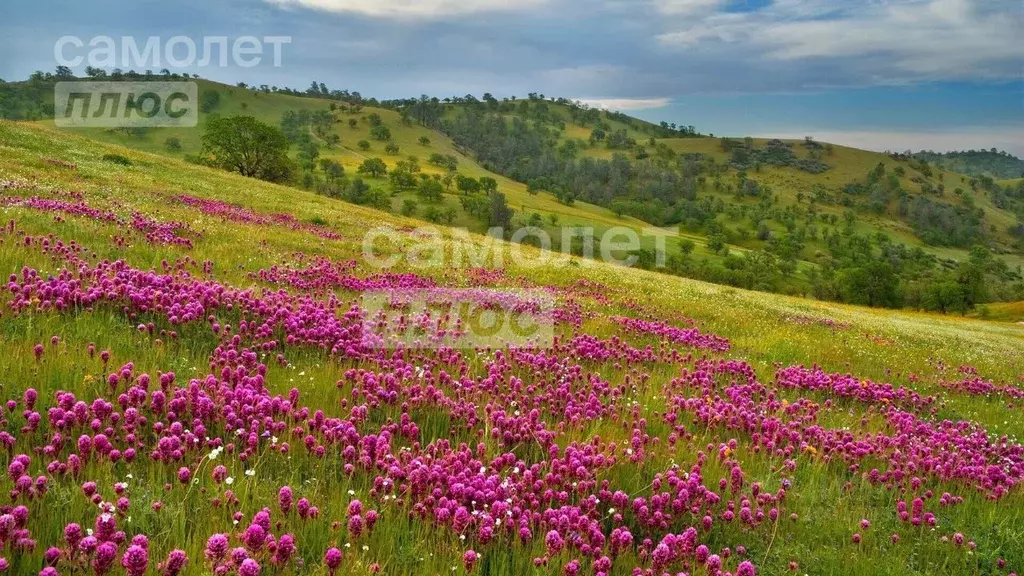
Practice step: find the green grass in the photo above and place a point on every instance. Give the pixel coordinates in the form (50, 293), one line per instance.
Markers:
(1002, 312)
(881, 345)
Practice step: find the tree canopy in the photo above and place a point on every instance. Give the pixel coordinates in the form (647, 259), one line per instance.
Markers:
(245, 145)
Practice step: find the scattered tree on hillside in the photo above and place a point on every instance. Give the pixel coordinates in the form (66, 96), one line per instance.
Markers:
(430, 190)
(209, 100)
(488, 184)
(332, 169)
(466, 184)
(408, 207)
(874, 284)
(500, 214)
(446, 161)
(374, 167)
(245, 145)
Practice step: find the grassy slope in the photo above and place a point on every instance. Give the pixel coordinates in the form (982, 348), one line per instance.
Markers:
(1003, 312)
(848, 164)
(876, 343)
(270, 107)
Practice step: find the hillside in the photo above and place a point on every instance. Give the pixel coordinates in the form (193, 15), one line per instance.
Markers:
(796, 217)
(993, 163)
(201, 320)
(270, 107)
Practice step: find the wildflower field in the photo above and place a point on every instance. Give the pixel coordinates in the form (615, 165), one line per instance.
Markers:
(187, 391)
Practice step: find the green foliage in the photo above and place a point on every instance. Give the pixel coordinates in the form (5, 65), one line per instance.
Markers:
(995, 163)
(209, 100)
(942, 224)
(31, 100)
(309, 151)
(297, 124)
(467, 184)
(446, 161)
(500, 215)
(374, 167)
(961, 289)
(430, 190)
(410, 164)
(172, 144)
(408, 207)
(488, 184)
(744, 155)
(433, 214)
(245, 145)
(620, 140)
(478, 206)
(873, 284)
(401, 180)
(528, 153)
(358, 192)
(716, 243)
(117, 159)
(332, 169)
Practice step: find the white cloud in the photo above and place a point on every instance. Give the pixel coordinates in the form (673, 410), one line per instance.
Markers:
(412, 9)
(1009, 138)
(897, 39)
(624, 104)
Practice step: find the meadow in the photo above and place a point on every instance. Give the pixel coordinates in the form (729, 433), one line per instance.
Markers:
(187, 392)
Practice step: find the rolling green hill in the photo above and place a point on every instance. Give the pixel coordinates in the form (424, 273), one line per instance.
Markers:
(801, 217)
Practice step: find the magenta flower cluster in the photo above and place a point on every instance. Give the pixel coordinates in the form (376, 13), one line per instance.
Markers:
(518, 463)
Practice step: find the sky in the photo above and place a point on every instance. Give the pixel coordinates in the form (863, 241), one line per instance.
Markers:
(879, 74)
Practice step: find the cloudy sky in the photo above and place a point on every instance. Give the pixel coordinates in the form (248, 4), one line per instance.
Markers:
(934, 74)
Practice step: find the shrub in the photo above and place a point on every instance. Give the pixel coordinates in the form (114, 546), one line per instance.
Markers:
(117, 159)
